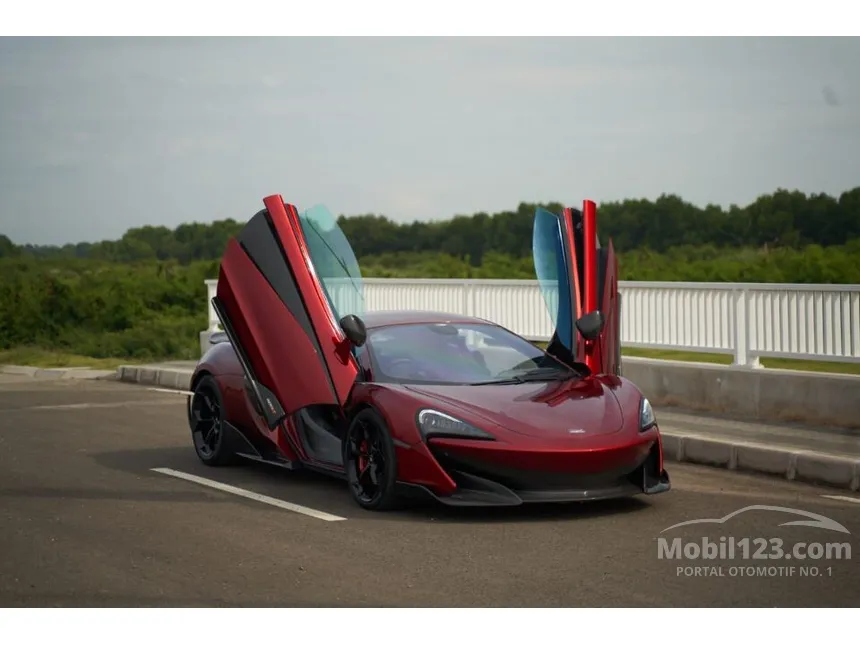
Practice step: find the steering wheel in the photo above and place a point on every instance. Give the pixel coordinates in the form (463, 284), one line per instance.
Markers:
(521, 367)
(409, 362)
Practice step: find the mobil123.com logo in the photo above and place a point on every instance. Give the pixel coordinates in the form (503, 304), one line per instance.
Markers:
(730, 556)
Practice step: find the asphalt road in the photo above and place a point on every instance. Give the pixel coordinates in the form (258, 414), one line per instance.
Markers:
(85, 521)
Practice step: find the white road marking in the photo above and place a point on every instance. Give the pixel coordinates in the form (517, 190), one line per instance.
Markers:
(74, 406)
(87, 406)
(843, 498)
(166, 390)
(241, 492)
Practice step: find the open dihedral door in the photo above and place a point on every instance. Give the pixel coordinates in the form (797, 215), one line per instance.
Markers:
(279, 315)
(578, 279)
(610, 306)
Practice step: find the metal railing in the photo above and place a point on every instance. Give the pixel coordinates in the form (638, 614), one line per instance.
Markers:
(745, 320)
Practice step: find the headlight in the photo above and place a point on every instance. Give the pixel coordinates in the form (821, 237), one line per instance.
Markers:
(647, 420)
(433, 423)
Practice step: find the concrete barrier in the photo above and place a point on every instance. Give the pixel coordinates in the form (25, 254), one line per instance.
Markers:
(204, 341)
(762, 394)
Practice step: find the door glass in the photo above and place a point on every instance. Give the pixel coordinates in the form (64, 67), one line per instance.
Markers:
(334, 261)
(548, 253)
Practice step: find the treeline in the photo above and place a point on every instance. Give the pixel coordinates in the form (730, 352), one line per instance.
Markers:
(813, 264)
(156, 309)
(139, 310)
(143, 297)
(784, 219)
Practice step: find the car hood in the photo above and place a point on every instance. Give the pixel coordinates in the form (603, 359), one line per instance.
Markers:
(544, 409)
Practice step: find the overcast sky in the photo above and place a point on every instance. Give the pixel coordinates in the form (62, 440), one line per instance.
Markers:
(99, 135)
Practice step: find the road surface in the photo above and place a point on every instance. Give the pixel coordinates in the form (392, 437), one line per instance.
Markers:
(86, 521)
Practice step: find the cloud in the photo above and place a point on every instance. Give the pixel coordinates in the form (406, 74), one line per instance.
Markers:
(830, 96)
(413, 127)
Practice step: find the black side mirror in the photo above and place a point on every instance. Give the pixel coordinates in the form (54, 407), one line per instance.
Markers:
(354, 329)
(590, 325)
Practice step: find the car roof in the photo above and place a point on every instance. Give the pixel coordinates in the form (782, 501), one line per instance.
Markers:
(374, 319)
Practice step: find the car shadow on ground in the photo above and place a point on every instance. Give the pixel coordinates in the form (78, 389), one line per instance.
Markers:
(331, 495)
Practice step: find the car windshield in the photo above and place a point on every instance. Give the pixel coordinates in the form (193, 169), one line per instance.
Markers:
(453, 353)
(334, 261)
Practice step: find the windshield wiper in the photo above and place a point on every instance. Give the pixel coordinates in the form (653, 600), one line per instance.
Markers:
(547, 374)
(501, 381)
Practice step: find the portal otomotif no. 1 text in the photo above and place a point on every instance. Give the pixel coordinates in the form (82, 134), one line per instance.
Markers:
(753, 572)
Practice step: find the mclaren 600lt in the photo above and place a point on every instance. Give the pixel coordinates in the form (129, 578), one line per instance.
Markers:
(413, 403)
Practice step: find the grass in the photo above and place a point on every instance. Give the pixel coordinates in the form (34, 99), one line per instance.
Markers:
(38, 357)
(725, 359)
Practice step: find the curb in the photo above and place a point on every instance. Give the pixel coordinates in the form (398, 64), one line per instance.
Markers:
(47, 373)
(787, 463)
(166, 377)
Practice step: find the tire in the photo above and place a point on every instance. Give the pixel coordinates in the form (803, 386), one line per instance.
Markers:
(373, 491)
(206, 420)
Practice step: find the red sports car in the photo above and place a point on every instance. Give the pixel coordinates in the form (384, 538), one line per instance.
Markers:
(409, 403)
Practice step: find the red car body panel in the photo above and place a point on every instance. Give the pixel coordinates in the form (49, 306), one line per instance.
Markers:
(284, 354)
(266, 323)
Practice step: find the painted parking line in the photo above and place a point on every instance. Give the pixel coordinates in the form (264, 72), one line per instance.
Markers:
(247, 494)
(165, 390)
(88, 406)
(843, 498)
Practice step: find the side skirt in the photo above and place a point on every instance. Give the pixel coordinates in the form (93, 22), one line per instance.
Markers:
(244, 448)
(325, 469)
(280, 463)
(239, 443)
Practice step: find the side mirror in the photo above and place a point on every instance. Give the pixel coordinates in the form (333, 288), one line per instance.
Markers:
(590, 325)
(354, 329)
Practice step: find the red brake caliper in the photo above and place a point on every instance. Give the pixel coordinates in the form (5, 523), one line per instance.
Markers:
(362, 460)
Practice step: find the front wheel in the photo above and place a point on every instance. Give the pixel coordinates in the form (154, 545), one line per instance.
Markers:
(371, 462)
(206, 418)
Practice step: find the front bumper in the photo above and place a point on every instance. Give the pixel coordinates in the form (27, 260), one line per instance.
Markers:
(482, 483)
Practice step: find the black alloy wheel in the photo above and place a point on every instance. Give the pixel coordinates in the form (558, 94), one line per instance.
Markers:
(206, 418)
(371, 462)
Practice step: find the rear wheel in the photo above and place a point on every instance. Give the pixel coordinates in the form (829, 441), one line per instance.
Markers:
(371, 462)
(206, 418)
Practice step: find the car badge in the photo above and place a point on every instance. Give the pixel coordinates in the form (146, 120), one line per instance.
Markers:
(576, 431)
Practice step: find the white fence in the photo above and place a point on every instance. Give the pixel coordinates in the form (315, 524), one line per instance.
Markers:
(747, 321)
